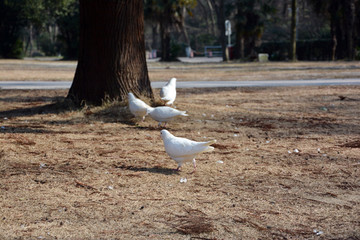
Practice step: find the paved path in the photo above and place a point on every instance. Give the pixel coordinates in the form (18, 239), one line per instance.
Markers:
(192, 84)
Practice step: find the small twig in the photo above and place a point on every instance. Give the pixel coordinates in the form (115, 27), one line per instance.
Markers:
(83, 185)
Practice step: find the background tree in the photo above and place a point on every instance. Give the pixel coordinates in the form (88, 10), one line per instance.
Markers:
(201, 27)
(219, 7)
(250, 19)
(208, 13)
(351, 28)
(293, 30)
(46, 27)
(64, 16)
(33, 13)
(13, 18)
(112, 52)
(344, 23)
(169, 14)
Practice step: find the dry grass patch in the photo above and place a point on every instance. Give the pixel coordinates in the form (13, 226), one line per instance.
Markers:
(286, 166)
(24, 70)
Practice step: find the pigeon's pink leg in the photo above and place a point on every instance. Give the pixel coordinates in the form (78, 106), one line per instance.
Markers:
(194, 163)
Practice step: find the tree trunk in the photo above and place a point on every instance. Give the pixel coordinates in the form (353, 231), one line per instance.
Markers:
(334, 44)
(239, 48)
(212, 17)
(205, 12)
(333, 32)
(222, 30)
(183, 28)
(220, 12)
(165, 42)
(165, 29)
(155, 33)
(242, 48)
(350, 18)
(293, 31)
(112, 58)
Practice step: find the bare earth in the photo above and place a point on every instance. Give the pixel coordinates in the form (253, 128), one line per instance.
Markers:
(22, 70)
(286, 166)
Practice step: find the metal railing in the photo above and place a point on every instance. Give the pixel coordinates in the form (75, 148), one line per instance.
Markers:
(212, 51)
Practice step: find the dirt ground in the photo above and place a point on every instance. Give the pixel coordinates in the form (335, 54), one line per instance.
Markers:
(15, 70)
(285, 166)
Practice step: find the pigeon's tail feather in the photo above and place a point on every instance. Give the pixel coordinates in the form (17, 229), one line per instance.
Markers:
(207, 145)
(209, 149)
(183, 113)
(211, 142)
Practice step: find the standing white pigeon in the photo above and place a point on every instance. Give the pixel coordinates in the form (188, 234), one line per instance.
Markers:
(137, 107)
(168, 92)
(184, 150)
(164, 114)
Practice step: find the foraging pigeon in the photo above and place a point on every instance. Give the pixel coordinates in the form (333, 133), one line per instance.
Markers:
(168, 92)
(137, 107)
(182, 149)
(164, 114)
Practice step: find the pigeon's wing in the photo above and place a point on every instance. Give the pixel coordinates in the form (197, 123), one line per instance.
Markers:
(172, 112)
(171, 95)
(162, 92)
(166, 112)
(181, 147)
(168, 93)
(142, 104)
(138, 107)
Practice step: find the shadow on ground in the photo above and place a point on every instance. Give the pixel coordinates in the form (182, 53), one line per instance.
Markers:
(159, 170)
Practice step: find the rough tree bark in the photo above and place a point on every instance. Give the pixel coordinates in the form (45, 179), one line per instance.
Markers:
(112, 59)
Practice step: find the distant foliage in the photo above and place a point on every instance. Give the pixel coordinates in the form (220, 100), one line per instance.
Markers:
(35, 26)
(313, 50)
(49, 27)
(12, 21)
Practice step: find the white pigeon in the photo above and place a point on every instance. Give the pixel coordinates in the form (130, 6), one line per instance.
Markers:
(168, 92)
(137, 107)
(184, 150)
(164, 114)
